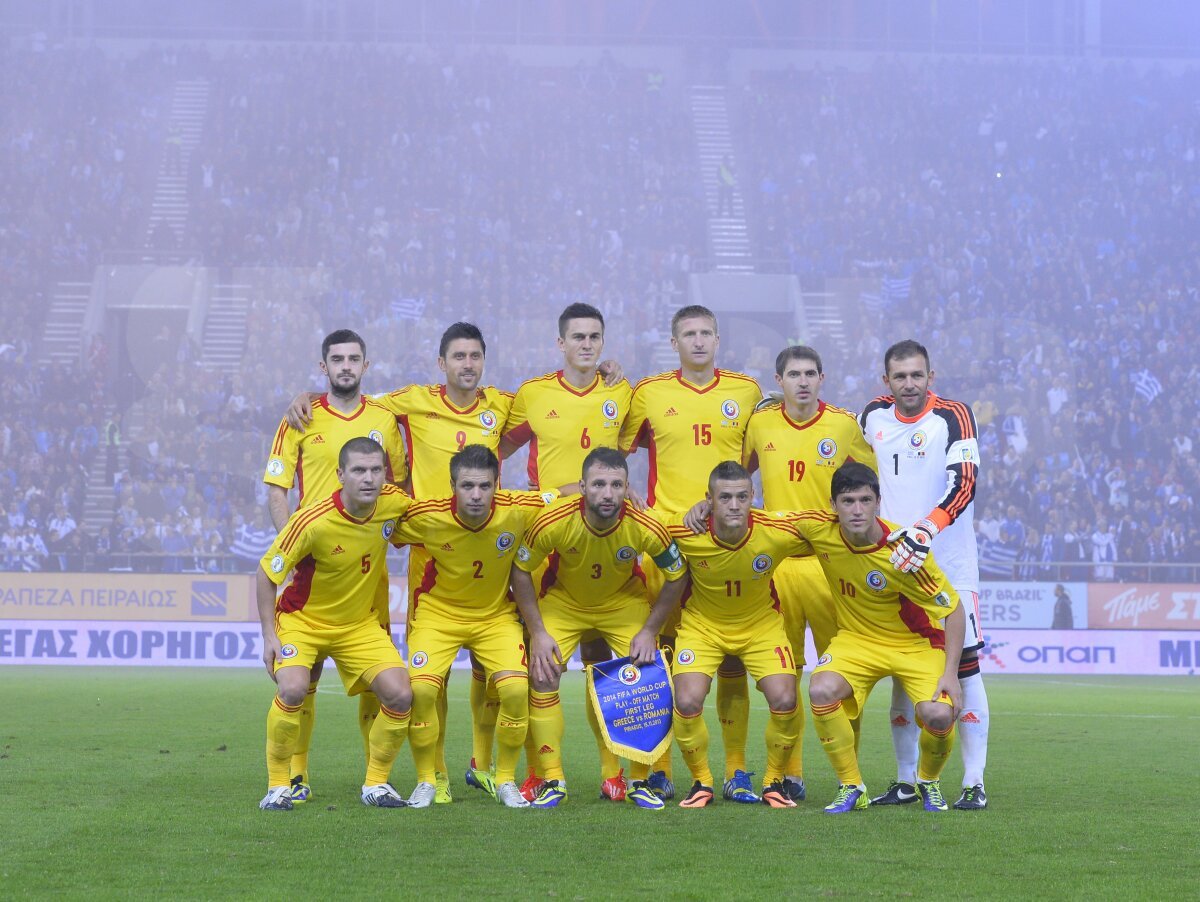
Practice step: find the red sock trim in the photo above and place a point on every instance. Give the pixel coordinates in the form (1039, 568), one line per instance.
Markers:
(394, 715)
(825, 710)
(787, 713)
(287, 709)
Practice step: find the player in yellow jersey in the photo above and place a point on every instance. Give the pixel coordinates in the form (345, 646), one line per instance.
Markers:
(731, 609)
(462, 600)
(797, 443)
(308, 459)
(593, 582)
(562, 416)
(693, 418)
(438, 421)
(337, 548)
(889, 624)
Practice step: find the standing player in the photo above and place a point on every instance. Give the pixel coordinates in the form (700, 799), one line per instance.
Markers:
(693, 418)
(337, 547)
(462, 600)
(309, 459)
(562, 416)
(889, 624)
(732, 609)
(593, 582)
(928, 456)
(798, 443)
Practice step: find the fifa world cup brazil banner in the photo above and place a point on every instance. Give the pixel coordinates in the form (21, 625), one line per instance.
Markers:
(633, 705)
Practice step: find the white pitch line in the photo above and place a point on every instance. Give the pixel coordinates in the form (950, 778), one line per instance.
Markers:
(1081, 685)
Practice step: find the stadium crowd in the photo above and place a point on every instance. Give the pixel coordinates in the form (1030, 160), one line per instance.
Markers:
(1028, 221)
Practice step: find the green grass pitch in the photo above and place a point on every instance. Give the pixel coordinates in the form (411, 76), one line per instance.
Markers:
(136, 783)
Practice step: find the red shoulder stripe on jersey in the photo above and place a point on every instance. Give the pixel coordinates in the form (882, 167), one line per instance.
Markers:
(762, 519)
(535, 379)
(917, 620)
(277, 445)
(549, 518)
(651, 524)
(926, 582)
(964, 495)
(313, 513)
(679, 531)
(429, 506)
(965, 417)
(733, 374)
(658, 377)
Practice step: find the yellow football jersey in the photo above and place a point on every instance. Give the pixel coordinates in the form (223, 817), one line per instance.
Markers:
(731, 586)
(687, 430)
(562, 424)
(874, 599)
(593, 569)
(339, 559)
(310, 458)
(435, 430)
(467, 577)
(798, 460)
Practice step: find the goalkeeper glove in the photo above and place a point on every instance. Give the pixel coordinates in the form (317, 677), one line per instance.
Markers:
(912, 545)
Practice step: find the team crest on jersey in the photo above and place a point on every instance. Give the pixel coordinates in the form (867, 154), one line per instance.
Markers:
(967, 456)
(730, 409)
(523, 554)
(942, 600)
(275, 466)
(918, 439)
(686, 656)
(625, 554)
(487, 420)
(629, 675)
(876, 581)
(288, 651)
(418, 660)
(505, 541)
(610, 409)
(824, 659)
(762, 563)
(389, 527)
(277, 564)
(827, 448)
(376, 436)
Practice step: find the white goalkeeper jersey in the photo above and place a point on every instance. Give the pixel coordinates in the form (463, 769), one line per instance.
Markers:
(929, 467)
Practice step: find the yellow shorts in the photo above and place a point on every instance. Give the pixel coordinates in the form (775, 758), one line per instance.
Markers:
(762, 646)
(863, 663)
(433, 644)
(362, 649)
(654, 583)
(570, 623)
(805, 601)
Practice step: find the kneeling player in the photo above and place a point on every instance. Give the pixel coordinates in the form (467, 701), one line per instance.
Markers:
(337, 547)
(889, 624)
(593, 582)
(731, 609)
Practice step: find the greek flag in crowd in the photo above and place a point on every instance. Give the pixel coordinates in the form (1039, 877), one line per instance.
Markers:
(408, 308)
(1146, 385)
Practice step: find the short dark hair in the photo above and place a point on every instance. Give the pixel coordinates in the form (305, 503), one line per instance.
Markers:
(461, 330)
(605, 457)
(578, 311)
(902, 349)
(342, 337)
(853, 475)
(728, 470)
(359, 445)
(797, 352)
(474, 457)
(689, 312)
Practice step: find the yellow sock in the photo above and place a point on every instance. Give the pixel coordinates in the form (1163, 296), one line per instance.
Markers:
(423, 726)
(368, 710)
(610, 765)
(664, 763)
(308, 716)
(781, 739)
(283, 726)
(485, 705)
(638, 771)
(512, 724)
(935, 749)
(795, 761)
(837, 738)
(387, 736)
(546, 732)
(692, 735)
(856, 726)
(733, 710)
(443, 706)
